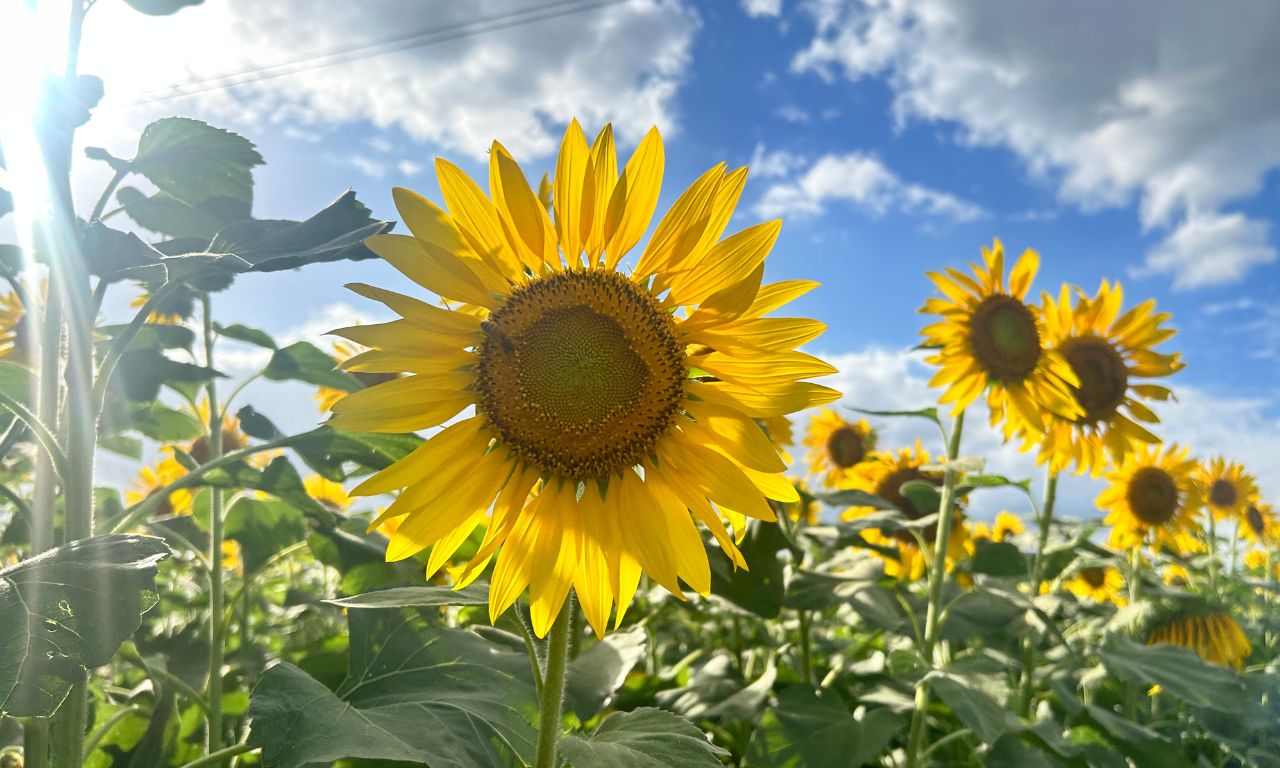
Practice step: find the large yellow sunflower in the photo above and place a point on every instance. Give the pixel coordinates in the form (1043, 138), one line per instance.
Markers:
(1108, 352)
(633, 397)
(1229, 490)
(1212, 634)
(990, 340)
(1153, 497)
(883, 475)
(836, 444)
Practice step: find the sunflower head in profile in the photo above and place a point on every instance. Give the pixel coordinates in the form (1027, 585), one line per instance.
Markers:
(990, 340)
(233, 437)
(837, 445)
(1099, 583)
(327, 492)
(1258, 526)
(1229, 491)
(1112, 355)
(630, 399)
(1211, 633)
(1154, 497)
(14, 342)
(173, 309)
(884, 474)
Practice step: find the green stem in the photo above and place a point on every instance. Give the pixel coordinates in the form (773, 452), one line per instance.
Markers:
(101, 205)
(35, 742)
(551, 702)
(806, 649)
(43, 535)
(67, 729)
(937, 577)
(216, 535)
(43, 434)
(96, 737)
(216, 758)
(1213, 554)
(1045, 522)
(120, 343)
(1135, 590)
(1235, 548)
(531, 646)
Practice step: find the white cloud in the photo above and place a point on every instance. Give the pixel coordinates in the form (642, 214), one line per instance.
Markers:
(792, 114)
(374, 169)
(771, 164)
(520, 82)
(1162, 101)
(409, 167)
(1210, 249)
(886, 379)
(865, 182)
(238, 359)
(762, 7)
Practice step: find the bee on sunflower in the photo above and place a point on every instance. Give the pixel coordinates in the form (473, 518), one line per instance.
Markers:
(1211, 633)
(836, 445)
(883, 475)
(1099, 583)
(630, 400)
(1229, 490)
(991, 340)
(1109, 353)
(1153, 497)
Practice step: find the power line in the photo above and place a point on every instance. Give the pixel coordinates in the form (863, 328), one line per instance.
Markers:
(471, 28)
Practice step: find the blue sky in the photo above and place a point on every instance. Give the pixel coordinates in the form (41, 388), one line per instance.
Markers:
(892, 137)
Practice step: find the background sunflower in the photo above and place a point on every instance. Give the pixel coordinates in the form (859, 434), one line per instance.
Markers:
(836, 445)
(1154, 497)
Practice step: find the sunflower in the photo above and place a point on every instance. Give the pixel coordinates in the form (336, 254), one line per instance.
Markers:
(1212, 634)
(1153, 497)
(1258, 525)
(327, 396)
(1176, 575)
(835, 445)
(179, 305)
(1101, 584)
(631, 396)
(327, 492)
(1229, 490)
(13, 346)
(152, 478)
(807, 508)
(990, 340)
(1006, 526)
(883, 475)
(1108, 352)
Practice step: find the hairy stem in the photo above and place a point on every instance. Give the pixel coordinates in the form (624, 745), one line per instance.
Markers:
(1037, 575)
(216, 632)
(551, 703)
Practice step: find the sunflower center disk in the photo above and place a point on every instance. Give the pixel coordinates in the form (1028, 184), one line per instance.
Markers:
(1253, 516)
(1153, 496)
(580, 373)
(846, 447)
(1222, 493)
(1004, 338)
(890, 489)
(1104, 377)
(1094, 577)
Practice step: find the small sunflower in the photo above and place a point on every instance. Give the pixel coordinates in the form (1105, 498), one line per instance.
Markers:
(990, 340)
(233, 438)
(1109, 353)
(1101, 584)
(231, 556)
(1006, 526)
(807, 509)
(350, 359)
(152, 478)
(836, 445)
(1212, 634)
(1176, 575)
(327, 492)
(1154, 497)
(631, 397)
(1255, 560)
(883, 475)
(13, 342)
(1258, 525)
(173, 310)
(1229, 490)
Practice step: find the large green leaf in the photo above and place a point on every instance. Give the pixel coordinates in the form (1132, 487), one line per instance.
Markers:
(1178, 671)
(68, 610)
(305, 362)
(987, 718)
(336, 232)
(193, 161)
(718, 691)
(805, 731)
(167, 215)
(597, 673)
(759, 590)
(264, 527)
(414, 692)
(643, 738)
(329, 451)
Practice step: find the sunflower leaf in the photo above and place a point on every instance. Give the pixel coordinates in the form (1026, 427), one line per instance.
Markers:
(1178, 671)
(803, 730)
(642, 738)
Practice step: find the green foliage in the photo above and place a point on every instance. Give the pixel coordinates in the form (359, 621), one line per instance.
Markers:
(644, 738)
(805, 730)
(66, 611)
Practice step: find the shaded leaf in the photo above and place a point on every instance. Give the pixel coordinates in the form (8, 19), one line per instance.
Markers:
(600, 670)
(998, 559)
(263, 527)
(1178, 671)
(193, 161)
(418, 597)
(805, 731)
(244, 333)
(761, 589)
(304, 361)
(643, 738)
(334, 233)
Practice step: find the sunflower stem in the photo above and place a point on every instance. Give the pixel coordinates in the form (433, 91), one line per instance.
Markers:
(216, 631)
(551, 702)
(1235, 548)
(1213, 555)
(806, 649)
(937, 577)
(1135, 582)
(1045, 522)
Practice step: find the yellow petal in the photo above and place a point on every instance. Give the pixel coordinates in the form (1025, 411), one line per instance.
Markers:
(476, 218)
(455, 443)
(421, 313)
(728, 262)
(518, 206)
(571, 169)
(734, 433)
(597, 190)
(432, 267)
(635, 197)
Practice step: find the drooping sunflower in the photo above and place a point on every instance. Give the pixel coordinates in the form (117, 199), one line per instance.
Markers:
(883, 475)
(1211, 633)
(1229, 490)
(1258, 525)
(1101, 584)
(1154, 497)
(990, 340)
(327, 396)
(1109, 353)
(327, 492)
(173, 309)
(836, 445)
(13, 314)
(632, 397)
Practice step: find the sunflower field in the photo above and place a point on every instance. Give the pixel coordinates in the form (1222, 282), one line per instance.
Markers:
(586, 502)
